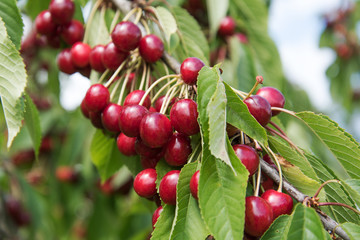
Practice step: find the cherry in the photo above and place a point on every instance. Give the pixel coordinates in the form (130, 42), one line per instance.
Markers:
(85, 71)
(177, 150)
(80, 53)
(44, 24)
(73, 32)
(266, 182)
(227, 26)
(126, 36)
(167, 187)
(242, 38)
(151, 48)
(258, 216)
(281, 203)
(248, 157)
(95, 119)
(156, 215)
(66, 174)
(147, 162)
(53, 41)
(190, 68)
(110, 117)
(194, 184)
(95, 58)
(273, 96)
(146, 151)
(96, 98)
(130, 119)
(260, 108)
(183, 116)
(62, 11)
(267, 159)
(155, 129)
(134, 98)
(16, 211)
(23, 157)
(126, 145)
(144, 183)
(64, 62)
(159, 102)
(113, 57)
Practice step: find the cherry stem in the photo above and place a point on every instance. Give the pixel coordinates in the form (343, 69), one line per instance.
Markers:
(194, 153)
(273, 131)
(165, 67)
(91, 17)
(138, 16)
(183, 88)
(292, 113)
(272, 154)
(148, 77)
(170, 94)
(142, 82)
(129, 14)
(146, 26)
(123, 87)
(258, 183)
(109, 82)
(323, 185)
(163, 87)
(278, 128)
(259, 80)
(103, 76)
(112, 95)
(240, 93)
(338, 204)
(115, 19)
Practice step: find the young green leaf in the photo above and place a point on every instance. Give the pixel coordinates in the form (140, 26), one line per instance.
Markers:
(98, 32)
(353, 230)
(10, 14)
(34, 7)
(32, 122)
(164, 224)
(216, 12)
(167, 21)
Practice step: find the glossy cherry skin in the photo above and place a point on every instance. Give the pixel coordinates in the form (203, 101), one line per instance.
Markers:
(64, 62)
(248, 157)
(95, 58)
(73, 32)
(44, 24)
(134, 98)
(110, 117)
(160, 101)
(146, 151)
(260, 108)
(258, 216)
(126, 36)
(273, 96)
(281, 203)
(266, 182)
(147, 162)
(97, 98)
(227, 26)
(156, 215)
(144, 183)
(95, 119)
(151, 48)
(80, 53)
(126, 145)
(190, 68)
(177, 149)
(113, 57)
(62, 11)
(194, 184)
(155, 129)
(183, 117)
(130, 119)
(167, 187)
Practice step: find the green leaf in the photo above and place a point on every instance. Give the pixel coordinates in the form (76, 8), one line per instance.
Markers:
(167, 21)
(278, 229)
(10, 14)
(98, 31)
(352, 186)
(34, 7)
(216, 12)
(341, 144)
(12, 84)
(353, 230)
(164, 224)
(32, 122)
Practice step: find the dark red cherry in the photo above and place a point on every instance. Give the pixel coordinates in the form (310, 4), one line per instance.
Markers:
(110, 117)
(268, 159)
(227, 26)
(159, 103)
(190, 68)
(73, 32)
(126, 36)
(130, 119)
(156, 215)
(96, 98)
(258, 216)
(281, 203)
(149, 162)
(113, 57)
(260, 108)
(80, 53)
(151, 48)
(248, 157)
(183, 116)
(85, 71)
(273, 96)
(177, 149)
(242, 38)
(95, 58)
(144, 183)
(62, 11)
(53, 41)
(134, 98)
(155, 129)
(146, 151)
(266, 182)
(194, 184)
(64, 62)
(95, 119)
(44, 24)
(126, 145)
(16, 211)
(167, 187)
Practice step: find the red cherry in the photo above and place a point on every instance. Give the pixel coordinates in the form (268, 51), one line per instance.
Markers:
(155, 129)
(64, 62)
(126, 145)
(134, 98)
(190, 68)
(95, 119)
(248, 157)
(281, 203)
(53, 41)
(96, 98)
(258, 216)
(144, 183)
(227, 27)
(130, 119)
(113, 57)
(95, 58)
(146, 151)
(147, 162)
(16, 211)
(156, 215)
(242, 38)
(260, 108)
(126, 36)
(44, 24)
(194, 184)
(159, 102)
(167, 187)
(80, 53)
(273, 96)
(66, 174)
(183, 116)
(110, 117)
(267, 159)
(62, 11)
(266, 182)
(73, 32)
(85, 71)
(23, 157)
(151, 48)
(177, 150)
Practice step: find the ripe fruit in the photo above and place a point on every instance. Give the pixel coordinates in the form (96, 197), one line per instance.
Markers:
(227, 26)
(258, 216)
(126, 36)
(126, 145)
(190, 68)
(73, 32)
(62, 11)
(113, 57)
(64, 62)
(156, 215)
(144, 183)
(134, 98)
(95, 119)
(44, 24)
(147, 162)
(155, 129)
(281, 203)
(66, 174)
(160, 101)
(177, 150)
(146, 151)
(260, 108)
(96, 98)
(151, 48)
(194, 184)
(167, 188)
(273, 96)
(183, 116)
(16, 211)
(130, 119)
(248, 157)
(95, 58)
(80, 53)
(110, 117)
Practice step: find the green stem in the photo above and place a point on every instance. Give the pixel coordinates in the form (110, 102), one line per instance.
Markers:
(115, 19)
(163, 88)
(272, 154)
(258, 181)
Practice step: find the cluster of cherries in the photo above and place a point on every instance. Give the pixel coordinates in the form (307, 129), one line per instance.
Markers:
(227, 28)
